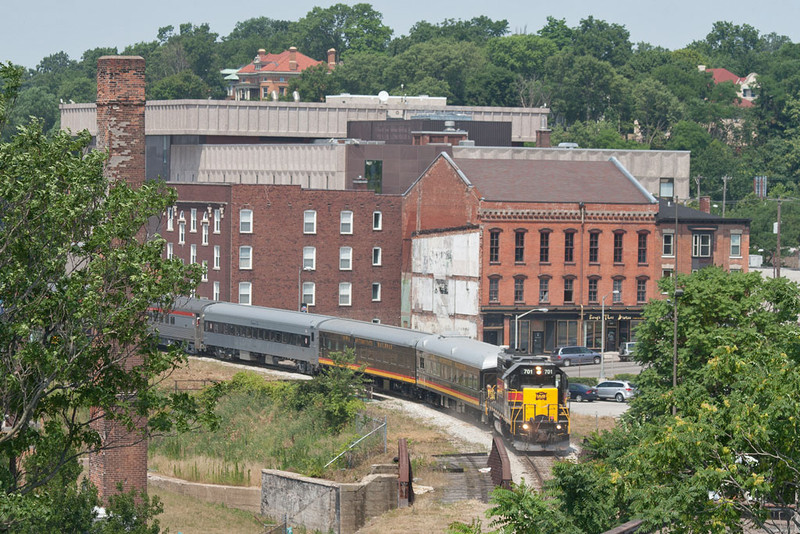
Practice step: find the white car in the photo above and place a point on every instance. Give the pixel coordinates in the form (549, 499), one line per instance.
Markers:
(619, 390)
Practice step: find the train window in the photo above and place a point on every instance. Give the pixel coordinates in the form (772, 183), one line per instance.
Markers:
(421, 363)
(306, 341)
(172, 319)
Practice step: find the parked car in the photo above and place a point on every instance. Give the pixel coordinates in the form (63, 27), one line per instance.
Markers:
(626, 351)
(582, 392)
(619, 390)
(574, 355)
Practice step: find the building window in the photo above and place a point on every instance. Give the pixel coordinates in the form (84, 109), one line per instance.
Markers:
(205, 234)
(544, 247)
(736, 245)
(666, 273)
(377, 220)
(215, 294)
(494, 289)
(701, 245)
(170, 213)
(569, 247)
(519, 246)
(309, 258)
(309, 222)
(193, 220)
(618, 247)
(376, 292)
(181, 233)
(217, 220)
(617, 292)
(345, 294)
(641, 291)
(345, 259)
(593, 289)
(346, 222)
(494, 246)
(217, 255)
(373, 174)
(246, 221)
(245, 289)
(193, 253)
(519, 290)
(544, 290)
(169, 251)
(668, 244)
(309, 293)
(205, 271)
(666, 188)
(594, 247)
(569, 290)
(376, 256)
(642, 250)
(245, 257)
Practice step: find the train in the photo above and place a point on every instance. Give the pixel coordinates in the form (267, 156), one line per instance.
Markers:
(523, 398)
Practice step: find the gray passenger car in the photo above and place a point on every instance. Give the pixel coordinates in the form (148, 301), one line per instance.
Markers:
(574, 355)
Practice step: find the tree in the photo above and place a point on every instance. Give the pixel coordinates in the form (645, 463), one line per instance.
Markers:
(358, 28)
(361, 73)
(185, 84)
(76, 283)
(240, 46)
(313, 84)
(603, 41)
(656, 110)
(522, 54)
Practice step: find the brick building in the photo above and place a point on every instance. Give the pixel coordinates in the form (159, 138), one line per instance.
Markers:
(275, 245)
(531, 235)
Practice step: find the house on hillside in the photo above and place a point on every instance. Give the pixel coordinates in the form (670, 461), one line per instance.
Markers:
(268, 75)
(745, 87)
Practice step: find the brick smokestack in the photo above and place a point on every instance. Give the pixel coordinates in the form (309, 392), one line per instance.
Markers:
(120, 131)
(705, 204)
(331, 58)
(293, 58)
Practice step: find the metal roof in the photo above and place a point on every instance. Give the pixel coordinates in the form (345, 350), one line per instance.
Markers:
(463, 349)
(386, 333)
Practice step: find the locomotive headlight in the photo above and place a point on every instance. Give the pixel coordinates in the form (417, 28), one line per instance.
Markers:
(538, 370)
(526, 426)
(558, 427)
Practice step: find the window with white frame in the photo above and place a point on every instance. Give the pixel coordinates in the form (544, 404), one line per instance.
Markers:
(376, 256)
(736, 245)
(377, 220)
(245, 221)
(215, 294)
(666, 188)
(181, 233)
(169, 251)
(309, 293)
(193, 254)
(309, 258)
(617, 293)
(345, 258)
(205, 271)
(345, 294)
(205, 234)
(245, 292)
(170, 213)
(245, 257)
(193, 220)
(309, 222)
(668, 244)
(217, 220)
(701, 245)
(346, 222)
(217, 255)
(376, 292)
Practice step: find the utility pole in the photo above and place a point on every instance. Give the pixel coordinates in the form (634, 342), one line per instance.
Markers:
(697, 181)
(778, 251)
(724, 192)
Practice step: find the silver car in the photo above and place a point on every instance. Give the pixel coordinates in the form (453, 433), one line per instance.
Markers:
(574, 355)
(619, 390)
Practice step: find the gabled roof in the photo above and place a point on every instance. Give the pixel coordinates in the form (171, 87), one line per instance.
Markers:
(724, 75)
(278, 63)
(553, 181)
(666, 215)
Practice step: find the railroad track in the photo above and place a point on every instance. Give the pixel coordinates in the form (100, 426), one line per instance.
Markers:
(539, 466)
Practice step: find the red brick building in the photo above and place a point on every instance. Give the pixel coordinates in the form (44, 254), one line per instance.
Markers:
(275, 245)
(268, 75)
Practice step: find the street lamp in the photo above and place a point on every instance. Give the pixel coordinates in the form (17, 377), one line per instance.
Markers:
(300, 286)
(603, 333)
(516, 325)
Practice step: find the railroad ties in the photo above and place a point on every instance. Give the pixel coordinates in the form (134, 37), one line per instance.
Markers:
(467, 477)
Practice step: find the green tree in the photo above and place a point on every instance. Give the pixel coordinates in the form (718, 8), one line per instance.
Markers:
(313, 84)
(336, 393)
(357, 28)
(656, 110)
(361, 73)
(76, 283)
(185, 84)
(603, 41)
(238, 48)
(557, 31)
(522, 54)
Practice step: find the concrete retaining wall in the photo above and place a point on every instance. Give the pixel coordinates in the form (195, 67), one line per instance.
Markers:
(323, 505)
(242, 498)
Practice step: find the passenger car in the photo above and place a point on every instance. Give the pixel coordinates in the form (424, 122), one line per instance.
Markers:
(582, 392)
(574, 355)
(626, 351)
(619, 390)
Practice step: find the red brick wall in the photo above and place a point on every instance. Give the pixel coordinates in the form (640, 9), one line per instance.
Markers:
(120, 130)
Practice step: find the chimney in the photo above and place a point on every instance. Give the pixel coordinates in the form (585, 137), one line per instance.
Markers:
(705, 204)
(331, 58)
(543, 138)
(293, 58)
